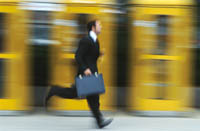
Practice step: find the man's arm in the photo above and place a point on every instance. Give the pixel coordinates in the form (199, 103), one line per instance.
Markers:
(80, 53)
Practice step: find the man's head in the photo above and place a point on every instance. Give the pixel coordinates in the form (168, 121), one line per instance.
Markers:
(95, 26)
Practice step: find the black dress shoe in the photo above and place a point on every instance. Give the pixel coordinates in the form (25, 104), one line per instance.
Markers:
(48, 95)
(104, 123)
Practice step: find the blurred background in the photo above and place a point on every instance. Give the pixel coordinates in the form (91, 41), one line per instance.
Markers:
(151, 62)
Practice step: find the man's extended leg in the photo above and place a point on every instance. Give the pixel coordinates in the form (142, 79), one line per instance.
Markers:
(69, 93)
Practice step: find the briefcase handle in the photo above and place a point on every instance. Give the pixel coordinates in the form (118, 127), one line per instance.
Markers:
(96, 74)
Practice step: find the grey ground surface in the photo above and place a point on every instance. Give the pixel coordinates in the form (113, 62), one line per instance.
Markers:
(122, 122)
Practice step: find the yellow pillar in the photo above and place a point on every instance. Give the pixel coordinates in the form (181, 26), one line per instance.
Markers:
(14, 76)
(160, 62)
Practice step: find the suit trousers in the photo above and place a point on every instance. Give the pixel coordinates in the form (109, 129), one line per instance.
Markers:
(71, 93)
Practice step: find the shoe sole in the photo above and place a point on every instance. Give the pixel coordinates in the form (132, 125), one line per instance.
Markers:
(110, 121)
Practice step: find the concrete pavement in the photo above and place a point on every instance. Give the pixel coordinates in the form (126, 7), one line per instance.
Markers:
(122, 122)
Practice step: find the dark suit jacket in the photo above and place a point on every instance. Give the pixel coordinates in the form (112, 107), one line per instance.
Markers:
(87, 55)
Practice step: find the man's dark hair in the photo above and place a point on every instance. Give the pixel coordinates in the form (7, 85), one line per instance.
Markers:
(90, 24)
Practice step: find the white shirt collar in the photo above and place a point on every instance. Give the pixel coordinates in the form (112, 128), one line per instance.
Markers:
(93, 35)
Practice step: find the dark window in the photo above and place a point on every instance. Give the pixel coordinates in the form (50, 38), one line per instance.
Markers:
(161, 66)
(40, 23)
(2, 49)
